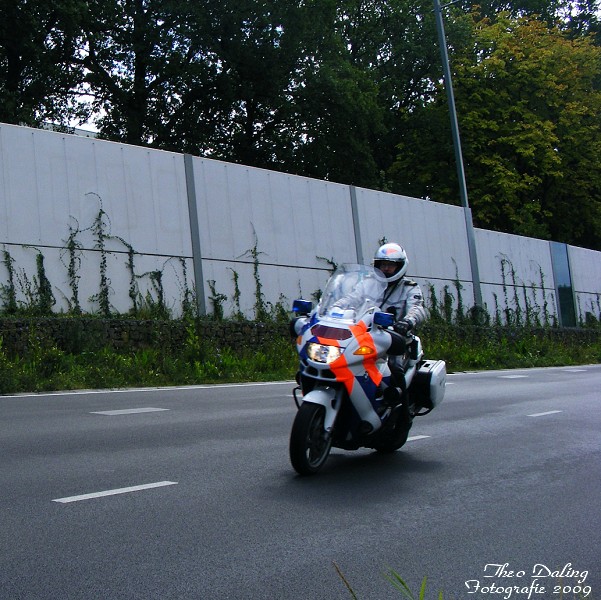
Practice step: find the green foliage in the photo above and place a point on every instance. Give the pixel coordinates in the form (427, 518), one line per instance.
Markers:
(37, 292)
(345, 121)
(332, 264)
(99, 229)
(73, 248)
(514, 337)
(399, 584)
(134, 294)
(82, 362)
(38, 299)
(395, 580)
(538, 115)
(261, 309)
(189, 308)
(529, 104)
(8, 293)
(8, 380)
(238, 314)
(38, 75)
(45, 297)
(216, 300)
(43, 366)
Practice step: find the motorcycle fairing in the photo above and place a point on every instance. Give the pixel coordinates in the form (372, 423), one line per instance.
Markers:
(362, 379)
(325, 396)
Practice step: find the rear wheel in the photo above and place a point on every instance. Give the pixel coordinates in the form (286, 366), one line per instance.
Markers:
(309, 442)
(396, 437)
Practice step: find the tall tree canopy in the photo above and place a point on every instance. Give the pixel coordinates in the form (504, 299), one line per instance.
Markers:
(37, 73)
(529, 106)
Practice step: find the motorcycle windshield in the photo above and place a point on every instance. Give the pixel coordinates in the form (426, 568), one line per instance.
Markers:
(351, 291)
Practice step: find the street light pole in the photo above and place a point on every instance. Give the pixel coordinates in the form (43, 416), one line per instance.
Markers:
(469, 225)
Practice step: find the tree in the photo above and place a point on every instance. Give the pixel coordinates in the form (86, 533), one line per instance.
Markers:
(529, 108)
(37, 76)
(578, 17)
(211, 78)
(344, 90)
(259, 50)
(375, 59)
(134, 53)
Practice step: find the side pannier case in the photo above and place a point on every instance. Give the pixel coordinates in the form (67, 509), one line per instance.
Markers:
(428, 385)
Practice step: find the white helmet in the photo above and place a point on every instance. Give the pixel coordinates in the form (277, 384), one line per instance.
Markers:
(392, 253)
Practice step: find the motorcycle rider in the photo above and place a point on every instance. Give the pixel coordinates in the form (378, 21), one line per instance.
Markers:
(404, 299)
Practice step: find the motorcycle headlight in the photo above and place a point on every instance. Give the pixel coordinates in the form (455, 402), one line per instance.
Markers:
(323, 354)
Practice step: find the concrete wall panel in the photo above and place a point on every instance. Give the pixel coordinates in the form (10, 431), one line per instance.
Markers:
(515, 274)
(432, 234)
(585, 267)
(50, 180)
(175, 278)
(294, 219)
(279, 285)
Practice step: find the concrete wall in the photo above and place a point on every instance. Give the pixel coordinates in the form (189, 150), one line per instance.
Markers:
(516, 274)
(185, 217)
(285, 222)
(52, 182)
(433, 234)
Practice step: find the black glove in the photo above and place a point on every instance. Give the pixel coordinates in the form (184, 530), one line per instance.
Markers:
(403, 327)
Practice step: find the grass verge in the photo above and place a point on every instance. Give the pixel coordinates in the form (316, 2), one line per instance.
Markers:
(44, 366)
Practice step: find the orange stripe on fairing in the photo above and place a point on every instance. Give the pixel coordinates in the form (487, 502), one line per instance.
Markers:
(369, 361)
(327, 341)
(343, 374)
(340, 367)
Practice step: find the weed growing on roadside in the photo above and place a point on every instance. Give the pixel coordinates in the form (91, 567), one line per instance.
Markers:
(395, 580)
(8, 293)
(217, 299)
(73, 249)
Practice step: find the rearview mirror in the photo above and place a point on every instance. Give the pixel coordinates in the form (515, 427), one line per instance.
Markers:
(383, 319)
(302, 307)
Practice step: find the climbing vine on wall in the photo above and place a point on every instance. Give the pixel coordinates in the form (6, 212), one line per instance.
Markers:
(34, 294)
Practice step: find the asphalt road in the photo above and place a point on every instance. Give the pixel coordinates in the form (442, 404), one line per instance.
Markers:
(498, 495)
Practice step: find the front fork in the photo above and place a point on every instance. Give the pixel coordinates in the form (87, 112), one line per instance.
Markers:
(331, 399)
(328, 397)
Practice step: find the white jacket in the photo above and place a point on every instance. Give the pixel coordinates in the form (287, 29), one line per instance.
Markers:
(405, 300)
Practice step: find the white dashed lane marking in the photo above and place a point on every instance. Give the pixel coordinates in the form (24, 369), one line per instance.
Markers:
(544, 414)
(127, 411)
(126, 490)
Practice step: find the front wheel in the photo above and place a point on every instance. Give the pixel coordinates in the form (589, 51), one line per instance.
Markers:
(310, 444)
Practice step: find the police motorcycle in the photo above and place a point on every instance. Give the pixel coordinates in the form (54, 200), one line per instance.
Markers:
(347, 396)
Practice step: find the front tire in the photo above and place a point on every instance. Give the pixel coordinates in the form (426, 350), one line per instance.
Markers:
(310, 444)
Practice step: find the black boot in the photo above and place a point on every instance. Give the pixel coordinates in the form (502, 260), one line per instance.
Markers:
(392, 396)
(398, 377)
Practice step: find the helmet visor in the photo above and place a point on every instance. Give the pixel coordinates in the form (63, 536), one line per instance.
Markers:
(389, 267)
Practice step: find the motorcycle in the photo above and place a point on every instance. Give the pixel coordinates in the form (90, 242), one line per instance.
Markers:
(352, 394)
